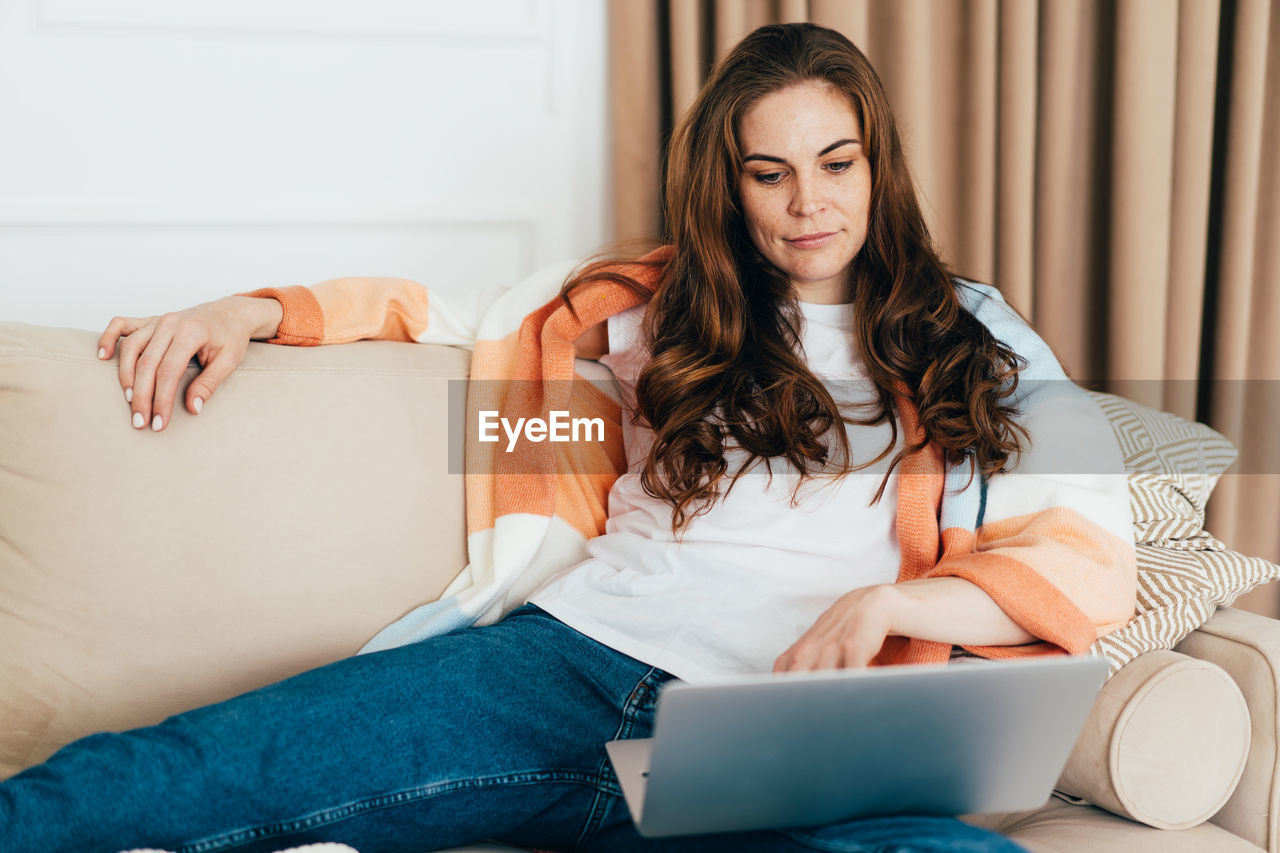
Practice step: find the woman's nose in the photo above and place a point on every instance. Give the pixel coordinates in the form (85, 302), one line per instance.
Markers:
(805, 197)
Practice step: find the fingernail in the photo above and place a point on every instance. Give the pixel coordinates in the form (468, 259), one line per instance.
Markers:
(102, 352)
(156, 423)
(138, 420)
(128, 395)
(197, 404)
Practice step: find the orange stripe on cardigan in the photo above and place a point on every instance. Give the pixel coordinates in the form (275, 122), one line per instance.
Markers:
(303, 322)
(536, 366)
(920, 481)
(366, 308)
(1052, 558)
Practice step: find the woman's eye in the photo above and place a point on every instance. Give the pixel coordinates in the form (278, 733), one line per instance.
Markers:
(842, 166)
(768, 178)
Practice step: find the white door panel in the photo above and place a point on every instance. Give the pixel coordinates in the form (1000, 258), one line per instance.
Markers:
(156, 153)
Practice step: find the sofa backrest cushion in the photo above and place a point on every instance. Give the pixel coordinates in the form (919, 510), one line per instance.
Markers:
(143, 573)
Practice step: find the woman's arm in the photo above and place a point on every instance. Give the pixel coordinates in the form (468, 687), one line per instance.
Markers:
(946, 610)
(1048, 565)
(154, 352)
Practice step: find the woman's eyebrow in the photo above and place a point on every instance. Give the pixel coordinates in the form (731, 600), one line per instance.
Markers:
(832, 147)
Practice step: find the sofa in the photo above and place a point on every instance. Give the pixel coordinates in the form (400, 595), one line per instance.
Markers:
(314, 500)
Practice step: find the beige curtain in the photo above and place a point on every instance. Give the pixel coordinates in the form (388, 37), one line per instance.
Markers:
(1111, 166)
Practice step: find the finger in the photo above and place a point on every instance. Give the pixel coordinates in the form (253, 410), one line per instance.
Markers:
(830, 656)
(116, 329)
(802, 655)
(144, 376)
(168, 374)
(203, 386)
(853, 654)
(130, 349)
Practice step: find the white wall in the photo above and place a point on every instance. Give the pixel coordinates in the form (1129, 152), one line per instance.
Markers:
(159, 153)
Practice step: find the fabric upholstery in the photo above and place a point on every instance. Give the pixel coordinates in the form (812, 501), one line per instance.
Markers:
(1247, 647)
(1173, 465)
(1061, 827)
(140, 573)
(1168, 770)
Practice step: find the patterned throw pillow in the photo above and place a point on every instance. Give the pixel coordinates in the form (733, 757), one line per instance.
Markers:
(1173, 465)
(1184, 574)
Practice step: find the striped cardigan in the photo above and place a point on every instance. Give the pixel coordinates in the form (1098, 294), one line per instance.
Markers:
(1050, 541)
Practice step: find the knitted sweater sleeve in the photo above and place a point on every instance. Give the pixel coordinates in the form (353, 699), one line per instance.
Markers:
(357, 308)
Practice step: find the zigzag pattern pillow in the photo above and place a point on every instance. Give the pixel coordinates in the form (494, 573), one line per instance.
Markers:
(1184, 574)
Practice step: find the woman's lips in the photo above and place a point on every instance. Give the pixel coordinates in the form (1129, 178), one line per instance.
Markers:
(811, 241)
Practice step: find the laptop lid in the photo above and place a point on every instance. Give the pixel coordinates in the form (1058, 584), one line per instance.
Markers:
(806, 749)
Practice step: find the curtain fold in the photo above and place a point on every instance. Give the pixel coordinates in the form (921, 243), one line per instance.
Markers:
(1109, 164)
(1242, 359)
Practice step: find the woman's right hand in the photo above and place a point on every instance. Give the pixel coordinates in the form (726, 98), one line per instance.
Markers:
(154, 352)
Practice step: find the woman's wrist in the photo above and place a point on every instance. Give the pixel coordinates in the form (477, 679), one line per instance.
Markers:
(898, 608)
(262, 315)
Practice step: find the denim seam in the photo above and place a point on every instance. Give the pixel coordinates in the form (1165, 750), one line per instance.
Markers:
(642, 692)
(357, 807)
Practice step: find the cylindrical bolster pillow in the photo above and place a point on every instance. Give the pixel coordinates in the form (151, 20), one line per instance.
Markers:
(1165, 744)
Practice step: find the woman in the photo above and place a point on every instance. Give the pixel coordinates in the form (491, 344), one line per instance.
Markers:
(741, 539)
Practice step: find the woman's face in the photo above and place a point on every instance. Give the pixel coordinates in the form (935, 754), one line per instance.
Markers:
(805, 186)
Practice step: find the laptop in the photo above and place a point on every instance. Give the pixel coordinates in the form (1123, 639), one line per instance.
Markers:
(806, 749)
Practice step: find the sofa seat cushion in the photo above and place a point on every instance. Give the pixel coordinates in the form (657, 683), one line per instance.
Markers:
(1061, 827)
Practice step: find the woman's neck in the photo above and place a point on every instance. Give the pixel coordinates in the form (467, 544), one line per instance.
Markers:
(832, 291)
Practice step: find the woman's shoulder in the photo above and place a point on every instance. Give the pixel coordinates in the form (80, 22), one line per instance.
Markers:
(645, 269)
(987, 304)
(627, 349)
(974, 295)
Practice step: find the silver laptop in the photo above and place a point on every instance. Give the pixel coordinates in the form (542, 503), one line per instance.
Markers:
(805, 749)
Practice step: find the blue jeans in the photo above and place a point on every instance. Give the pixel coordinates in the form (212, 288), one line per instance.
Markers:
(494, 732)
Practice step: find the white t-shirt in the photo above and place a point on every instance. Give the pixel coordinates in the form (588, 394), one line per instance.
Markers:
(752, 574)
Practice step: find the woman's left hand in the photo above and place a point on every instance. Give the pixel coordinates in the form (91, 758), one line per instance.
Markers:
(847, 636)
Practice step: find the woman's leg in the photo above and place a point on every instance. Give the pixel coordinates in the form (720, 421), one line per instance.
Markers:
(485, 732)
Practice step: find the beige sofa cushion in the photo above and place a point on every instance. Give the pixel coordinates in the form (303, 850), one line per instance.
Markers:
(1165, 744)
(1061, 827)
(1247, 647)
(309, 505)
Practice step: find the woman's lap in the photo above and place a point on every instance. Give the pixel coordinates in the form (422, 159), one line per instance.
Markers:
(485, 733)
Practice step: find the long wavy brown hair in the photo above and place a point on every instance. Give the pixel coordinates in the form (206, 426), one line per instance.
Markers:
(723, 324)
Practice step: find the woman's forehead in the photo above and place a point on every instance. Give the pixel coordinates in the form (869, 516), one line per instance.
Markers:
(799, 117)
